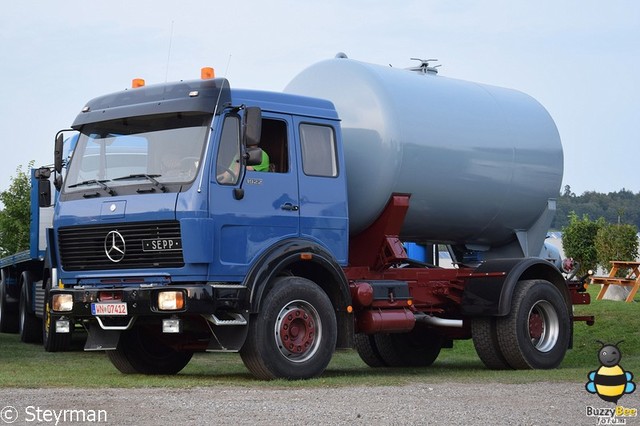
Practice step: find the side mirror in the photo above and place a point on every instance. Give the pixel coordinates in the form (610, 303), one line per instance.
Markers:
(253, 156)
(44, 193)
(252, 126)
(44, 186)
(57, 153)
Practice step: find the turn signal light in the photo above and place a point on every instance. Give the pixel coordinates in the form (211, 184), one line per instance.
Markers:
(170, 300)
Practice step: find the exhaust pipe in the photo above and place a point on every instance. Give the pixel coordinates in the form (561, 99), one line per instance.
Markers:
(438, 322)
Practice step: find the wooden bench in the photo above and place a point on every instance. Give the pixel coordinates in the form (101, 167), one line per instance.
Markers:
(632, 279)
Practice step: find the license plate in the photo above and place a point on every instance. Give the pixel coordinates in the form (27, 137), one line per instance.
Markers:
(109, 309)
(161, 244)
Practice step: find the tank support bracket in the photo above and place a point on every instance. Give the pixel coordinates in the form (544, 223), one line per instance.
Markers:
(379, 246)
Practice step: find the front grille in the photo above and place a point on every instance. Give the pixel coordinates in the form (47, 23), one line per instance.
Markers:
(147, 245)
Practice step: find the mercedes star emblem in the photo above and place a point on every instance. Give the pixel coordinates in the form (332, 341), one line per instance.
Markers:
(114, 246)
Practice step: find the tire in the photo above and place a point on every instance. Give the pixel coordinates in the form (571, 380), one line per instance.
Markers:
(294, 334)
(30, 327)
(418, 348)
(485, 340)
(368, 350)
(52, 341)
(537, 331)
(140, 351)
(8, 316)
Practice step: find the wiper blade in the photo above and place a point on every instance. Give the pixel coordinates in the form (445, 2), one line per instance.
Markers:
(151, 178)
(101, 183)
(89, 182)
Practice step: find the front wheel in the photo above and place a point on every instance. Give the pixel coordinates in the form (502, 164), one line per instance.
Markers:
(294, 334)
(141, 351)
(537, 331)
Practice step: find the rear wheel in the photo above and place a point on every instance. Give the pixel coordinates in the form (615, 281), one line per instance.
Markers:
(418, 348)
(30, 327)
(368, 350)
(537, 331)
(294, 334)
(140, 351)
(485, 340)
(8, 317)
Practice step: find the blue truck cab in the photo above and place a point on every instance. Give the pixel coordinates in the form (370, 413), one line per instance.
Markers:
(167, 242)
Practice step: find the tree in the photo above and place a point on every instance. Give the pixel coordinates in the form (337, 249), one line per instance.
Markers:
(578, 241)
(15, 216)
(567, 191)
(616, 242)
(622, 206)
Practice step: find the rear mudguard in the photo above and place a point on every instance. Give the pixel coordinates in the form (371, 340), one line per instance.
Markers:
(492, 295)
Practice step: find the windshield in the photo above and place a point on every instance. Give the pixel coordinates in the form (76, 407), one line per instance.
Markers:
(152, 150)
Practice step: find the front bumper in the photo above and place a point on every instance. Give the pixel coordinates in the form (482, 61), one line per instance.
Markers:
(199, 299)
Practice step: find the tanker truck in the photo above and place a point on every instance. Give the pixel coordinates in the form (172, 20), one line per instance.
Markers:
(199, 217)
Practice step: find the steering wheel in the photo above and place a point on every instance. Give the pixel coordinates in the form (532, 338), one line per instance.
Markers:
(233, 177)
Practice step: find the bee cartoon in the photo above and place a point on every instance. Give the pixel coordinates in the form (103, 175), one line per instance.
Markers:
(610, 381)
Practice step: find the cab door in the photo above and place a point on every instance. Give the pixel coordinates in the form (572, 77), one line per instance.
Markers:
(251, 212)
(322, 185)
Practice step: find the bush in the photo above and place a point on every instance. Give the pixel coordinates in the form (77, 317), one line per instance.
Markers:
(578, 241)
(616, 242)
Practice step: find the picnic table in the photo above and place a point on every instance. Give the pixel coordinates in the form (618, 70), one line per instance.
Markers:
(632, 279)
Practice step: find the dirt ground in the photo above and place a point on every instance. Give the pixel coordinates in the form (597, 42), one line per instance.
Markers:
(437, 404)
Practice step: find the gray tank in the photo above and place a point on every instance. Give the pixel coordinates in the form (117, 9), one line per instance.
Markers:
(483, 164)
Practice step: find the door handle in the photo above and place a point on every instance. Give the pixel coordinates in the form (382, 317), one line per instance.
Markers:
(289, 207)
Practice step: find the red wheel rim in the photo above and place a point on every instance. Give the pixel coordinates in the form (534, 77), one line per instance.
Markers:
(298, 330)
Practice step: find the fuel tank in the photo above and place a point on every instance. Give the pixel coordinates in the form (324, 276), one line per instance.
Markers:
(482, 163)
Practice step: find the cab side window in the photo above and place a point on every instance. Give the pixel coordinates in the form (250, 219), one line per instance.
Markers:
(318, 150)
(273, 141)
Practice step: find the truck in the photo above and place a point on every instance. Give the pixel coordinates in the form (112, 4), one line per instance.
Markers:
(23, 275)
(166, 241)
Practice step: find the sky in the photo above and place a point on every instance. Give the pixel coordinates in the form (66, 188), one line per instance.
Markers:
(579, 58)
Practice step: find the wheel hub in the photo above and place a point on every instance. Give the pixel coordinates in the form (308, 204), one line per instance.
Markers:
(544, 326)
(297, 331)
(536, 326)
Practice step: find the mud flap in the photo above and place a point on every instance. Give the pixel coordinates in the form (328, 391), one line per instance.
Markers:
(227, 338)
(101, 340)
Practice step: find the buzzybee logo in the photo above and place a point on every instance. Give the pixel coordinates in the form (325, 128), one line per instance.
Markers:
(610, 381)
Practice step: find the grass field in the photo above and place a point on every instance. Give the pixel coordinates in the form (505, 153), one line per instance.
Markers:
(26, 365)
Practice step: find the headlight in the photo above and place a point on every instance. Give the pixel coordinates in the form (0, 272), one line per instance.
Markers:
(170, 300)
(62, 302)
